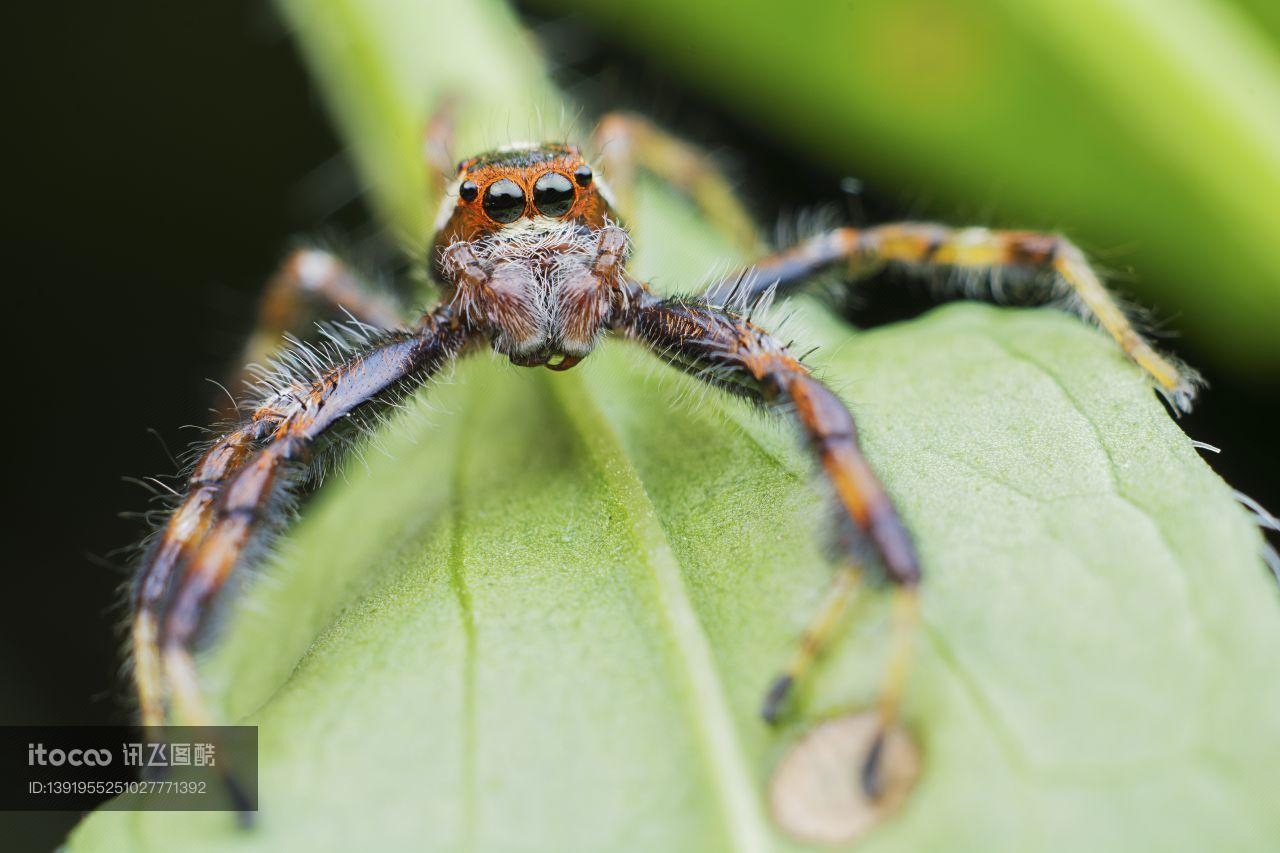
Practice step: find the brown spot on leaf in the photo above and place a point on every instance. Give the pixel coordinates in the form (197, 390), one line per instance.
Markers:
(816, 794)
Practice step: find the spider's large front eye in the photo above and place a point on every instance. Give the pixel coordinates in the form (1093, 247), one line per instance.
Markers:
(504, 201)
(553, 194)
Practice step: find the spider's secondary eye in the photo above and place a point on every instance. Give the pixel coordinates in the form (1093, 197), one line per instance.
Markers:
(468, 191)
(553, 194)
(504, 201)
(583, 175)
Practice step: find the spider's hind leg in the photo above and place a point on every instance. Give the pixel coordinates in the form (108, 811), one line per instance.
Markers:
(925, 247)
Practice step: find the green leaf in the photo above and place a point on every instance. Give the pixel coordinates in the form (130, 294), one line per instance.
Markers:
(542, 612)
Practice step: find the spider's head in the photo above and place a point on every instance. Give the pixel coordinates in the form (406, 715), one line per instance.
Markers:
(521, 187)
(528, 247)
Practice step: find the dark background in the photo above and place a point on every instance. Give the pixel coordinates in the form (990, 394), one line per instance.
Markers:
(162, 157)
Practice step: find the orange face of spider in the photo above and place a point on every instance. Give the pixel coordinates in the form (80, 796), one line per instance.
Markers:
(518, 187)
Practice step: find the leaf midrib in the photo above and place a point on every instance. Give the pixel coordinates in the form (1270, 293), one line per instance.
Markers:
(708, 703)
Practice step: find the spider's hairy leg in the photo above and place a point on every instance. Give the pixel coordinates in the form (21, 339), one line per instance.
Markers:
(186, 527)
(927, 246)
(238, 486)
(716, 345)
(626, 143)
(310, 284)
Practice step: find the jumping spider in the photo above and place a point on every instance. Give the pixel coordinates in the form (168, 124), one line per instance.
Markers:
(532, 259)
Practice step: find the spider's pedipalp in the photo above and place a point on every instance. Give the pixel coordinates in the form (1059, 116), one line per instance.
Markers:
(544, 291)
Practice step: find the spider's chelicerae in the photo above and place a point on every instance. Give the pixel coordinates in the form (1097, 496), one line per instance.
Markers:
(532, 259)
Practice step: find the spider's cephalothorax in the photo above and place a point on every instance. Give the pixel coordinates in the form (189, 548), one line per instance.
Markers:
(532, 260)
(528, 246)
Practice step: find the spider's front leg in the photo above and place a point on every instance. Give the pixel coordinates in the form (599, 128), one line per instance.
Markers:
(310, 284)
(715, 345)
(927, 246)
(238, 487)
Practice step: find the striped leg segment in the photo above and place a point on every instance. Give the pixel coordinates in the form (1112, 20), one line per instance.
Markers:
(927, 246)
(239, 486)
(310, 284)
(717, 346)
(186, 528)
